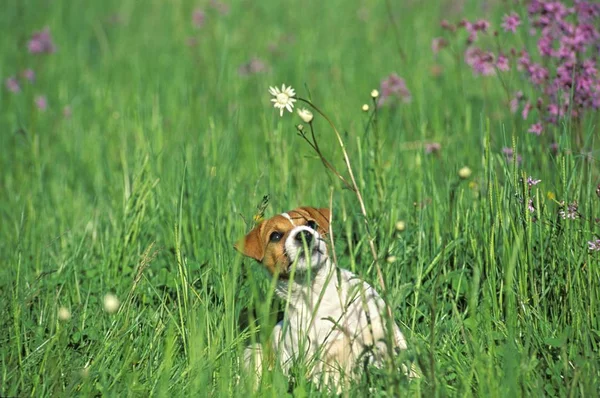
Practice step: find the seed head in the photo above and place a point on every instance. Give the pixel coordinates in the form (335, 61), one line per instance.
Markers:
(400, 226)
(64, 314)
(111, 303)
(464, 173)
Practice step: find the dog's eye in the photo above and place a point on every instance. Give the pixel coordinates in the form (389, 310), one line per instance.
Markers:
(275, 236)
(312, 225)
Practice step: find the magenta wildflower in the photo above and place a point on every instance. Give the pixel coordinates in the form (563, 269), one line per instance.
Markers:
(191, 41)
(447, 26)
(198, 18)
(514, 102)
(530, 205)
(221, 7)
(535, 129)
(29, 75)
(526, 109)
(41, 102)
(432, 147)
(437, 44)
(41, 42)
(394, 87)
(594, 245)
(254, 66)
(510, 156)
(12, 84)
(481, 61)
(502, 63)
(571, 212)
(531, 181)
(511, 22)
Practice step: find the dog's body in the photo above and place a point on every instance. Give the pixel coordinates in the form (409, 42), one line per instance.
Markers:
(333, 321)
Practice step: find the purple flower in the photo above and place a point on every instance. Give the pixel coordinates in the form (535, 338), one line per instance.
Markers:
(254, 66)
(198, 18)
(432, 147)
(502, 63)
(510, 156)
(594, 245)
(511, 22)
(570, 212)
(437, 44)
(222, 8)
(41, 42)
(481, 61)
(526, 109)
(29, 74)
(41, 102)
(12, 84)
(530, 206)
(531, 182)
(535, 129)
(394, 87)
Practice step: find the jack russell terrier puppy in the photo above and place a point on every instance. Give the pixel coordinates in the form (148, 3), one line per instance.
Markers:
(333, 320)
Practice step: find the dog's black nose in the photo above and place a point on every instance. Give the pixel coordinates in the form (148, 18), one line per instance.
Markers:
(307, 237)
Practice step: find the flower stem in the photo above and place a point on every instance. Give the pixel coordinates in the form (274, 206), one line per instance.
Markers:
(356, 190)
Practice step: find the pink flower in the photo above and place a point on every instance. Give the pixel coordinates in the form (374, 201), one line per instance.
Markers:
(526, 109)
(29, 74)
(571, 212)
(41, 42)
(531, 181)
(254, 66)
(535, 129)
(394, 87)
(481, 61)
(530, 206)
(41, 102)
(502, 63)
(198, 18)
(511, 22)
(432, 147)
(594, 245)
(510, 156)
(222, 8)
(12, 84)
(437, 44)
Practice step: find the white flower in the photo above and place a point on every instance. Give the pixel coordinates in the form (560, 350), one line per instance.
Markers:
(400, 226)
(111, 303)
(365, 108)
(283, 99)
(374, 93)
(305, 115)
(64, 314)
(464, 173)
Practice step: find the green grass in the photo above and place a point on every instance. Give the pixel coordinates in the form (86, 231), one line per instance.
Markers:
(168, 150)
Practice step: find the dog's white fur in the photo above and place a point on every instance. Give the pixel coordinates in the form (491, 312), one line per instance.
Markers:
(333, 320)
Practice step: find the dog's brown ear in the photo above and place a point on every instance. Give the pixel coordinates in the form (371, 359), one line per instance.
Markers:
(322, 217)
(251, 245)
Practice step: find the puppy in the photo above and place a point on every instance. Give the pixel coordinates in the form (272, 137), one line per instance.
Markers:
(333, 320)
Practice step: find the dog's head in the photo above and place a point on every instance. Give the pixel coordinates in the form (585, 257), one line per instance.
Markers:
(279, 241)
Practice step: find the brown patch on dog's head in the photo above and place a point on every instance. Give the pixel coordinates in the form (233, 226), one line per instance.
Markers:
(266, 242)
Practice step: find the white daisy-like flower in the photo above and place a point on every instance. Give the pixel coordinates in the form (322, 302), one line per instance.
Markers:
(305, 115)
(284, 98)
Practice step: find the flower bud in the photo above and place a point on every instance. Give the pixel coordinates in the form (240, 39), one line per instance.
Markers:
(305, 115)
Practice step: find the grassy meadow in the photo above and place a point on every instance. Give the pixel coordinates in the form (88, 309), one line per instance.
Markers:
(139, 153)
